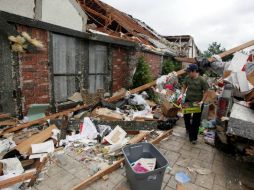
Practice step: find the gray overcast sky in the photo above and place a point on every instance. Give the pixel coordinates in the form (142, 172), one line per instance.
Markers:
(229, 22)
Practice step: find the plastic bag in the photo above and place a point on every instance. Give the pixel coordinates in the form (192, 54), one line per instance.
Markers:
(88, 129)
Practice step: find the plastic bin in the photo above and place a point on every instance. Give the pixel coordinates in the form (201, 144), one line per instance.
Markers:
(144, 181)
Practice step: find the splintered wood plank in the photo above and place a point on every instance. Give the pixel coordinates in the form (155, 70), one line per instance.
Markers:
(117, 164)
(39, 167)
(211, 59)
(5, 115)
(38, 121)
(111, 168)
(8, 122)
(17, 179)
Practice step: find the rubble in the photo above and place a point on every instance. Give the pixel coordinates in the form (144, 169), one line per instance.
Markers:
(94, 133)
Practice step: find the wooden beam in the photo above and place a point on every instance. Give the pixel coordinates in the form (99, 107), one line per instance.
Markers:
(8, 122)
(4, 115)
(211, 59)
(39, 167)
(162, 136)
(250, 96)
(42, 120)
(186, 59)
(135, 90)
(233, 50)
(116, 165)
(95, 13)
(17, 179)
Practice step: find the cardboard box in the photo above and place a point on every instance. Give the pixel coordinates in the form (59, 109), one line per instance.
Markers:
(168, 109)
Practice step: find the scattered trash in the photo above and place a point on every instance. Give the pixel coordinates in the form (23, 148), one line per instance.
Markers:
(37, 111)
(182, 178)
(144, 165)
(46, 147)
(209, 137)
(6, 145)
(117, 136)
(199, 170)
(88, 129)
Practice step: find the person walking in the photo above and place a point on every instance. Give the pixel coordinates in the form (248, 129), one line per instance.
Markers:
(196, 89)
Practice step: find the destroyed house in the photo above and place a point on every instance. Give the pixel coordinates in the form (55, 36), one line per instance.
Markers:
(184, 45)
(86, 45)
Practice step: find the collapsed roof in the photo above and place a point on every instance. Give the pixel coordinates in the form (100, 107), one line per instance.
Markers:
(181, 44)
(105, 19)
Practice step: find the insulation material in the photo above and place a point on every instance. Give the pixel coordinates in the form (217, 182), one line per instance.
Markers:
(238, 76)
(238, 62)
(20, 42)
(11, 167)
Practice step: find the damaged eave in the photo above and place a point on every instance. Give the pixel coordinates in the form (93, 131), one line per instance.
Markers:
(11, 18)
(112, 40)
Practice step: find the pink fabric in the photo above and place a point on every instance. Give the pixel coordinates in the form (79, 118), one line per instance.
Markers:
(139, 168)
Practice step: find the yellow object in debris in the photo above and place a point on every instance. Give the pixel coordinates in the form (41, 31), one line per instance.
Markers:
(37, 43)
(20, 40)
(12, 39)
(26, 36)
(189, 110)
(17, 48)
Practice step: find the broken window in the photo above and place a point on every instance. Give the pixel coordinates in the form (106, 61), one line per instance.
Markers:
(99, 75)
(68, 64)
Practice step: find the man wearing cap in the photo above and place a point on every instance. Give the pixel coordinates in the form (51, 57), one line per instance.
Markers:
(196, 89)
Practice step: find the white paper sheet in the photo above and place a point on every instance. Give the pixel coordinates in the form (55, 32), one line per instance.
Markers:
(116, 136)
(47, 146)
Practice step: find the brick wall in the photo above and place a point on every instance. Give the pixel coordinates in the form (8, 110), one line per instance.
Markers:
(120, 68)
(124, 64)
(34, 71)
(154, 61)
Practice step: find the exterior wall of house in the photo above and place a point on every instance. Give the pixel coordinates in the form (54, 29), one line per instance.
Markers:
(18, 7)
(124, 64)
(34, 71)
(120, 68)
(155, 62)
(66, 14)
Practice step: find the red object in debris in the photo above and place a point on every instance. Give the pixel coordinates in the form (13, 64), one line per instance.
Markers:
(139, 168)
(169, 87)
(221, 84)
(250, 58)
(80, 127)
(243, 69)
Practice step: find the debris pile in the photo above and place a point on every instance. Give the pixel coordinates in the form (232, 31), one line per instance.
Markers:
(36, 142)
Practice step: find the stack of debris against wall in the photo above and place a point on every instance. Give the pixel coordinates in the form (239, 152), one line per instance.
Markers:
(231, 129)
(93, 134)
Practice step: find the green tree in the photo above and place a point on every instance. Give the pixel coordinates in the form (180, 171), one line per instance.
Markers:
(215, 48)
(170, 65)
(142, 74)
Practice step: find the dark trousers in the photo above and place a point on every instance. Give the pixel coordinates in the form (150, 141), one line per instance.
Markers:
(192, 127)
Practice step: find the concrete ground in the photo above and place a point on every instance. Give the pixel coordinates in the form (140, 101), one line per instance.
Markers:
(226, 172)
